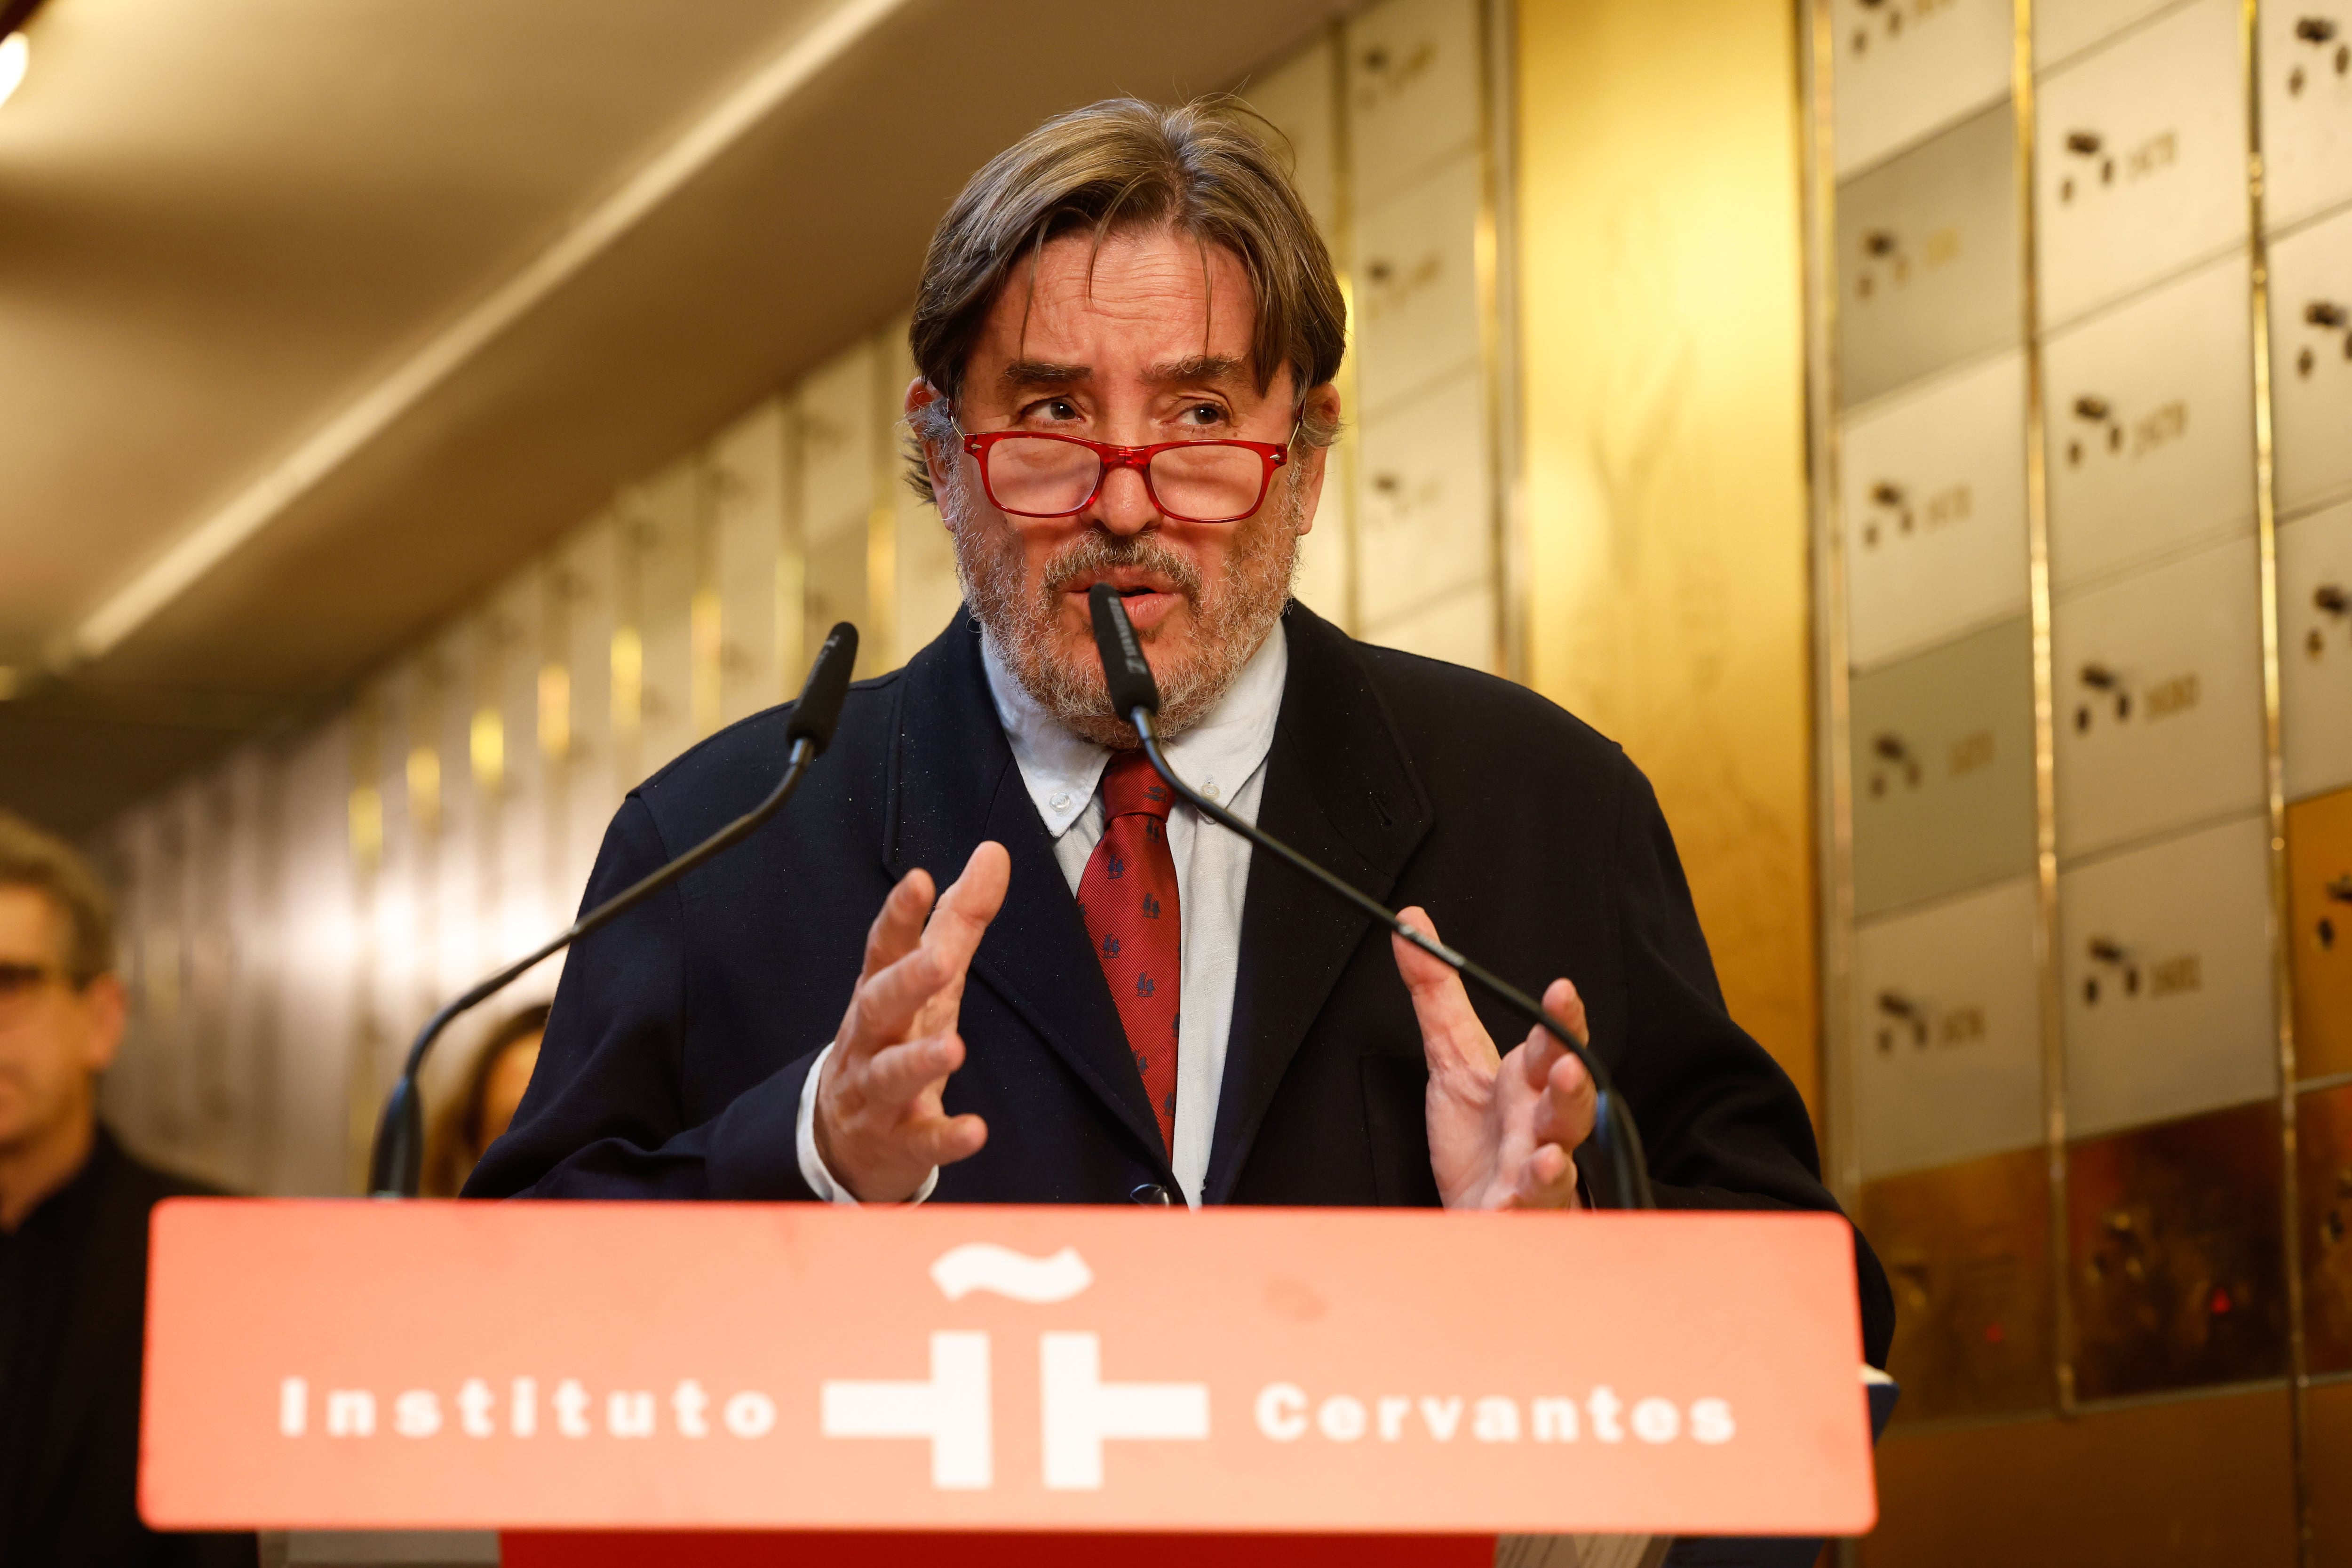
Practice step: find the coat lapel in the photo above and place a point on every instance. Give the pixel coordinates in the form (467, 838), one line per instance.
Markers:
(1341, 789)
(953, 783)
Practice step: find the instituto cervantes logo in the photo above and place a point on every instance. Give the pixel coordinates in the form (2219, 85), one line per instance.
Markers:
(953, 1409)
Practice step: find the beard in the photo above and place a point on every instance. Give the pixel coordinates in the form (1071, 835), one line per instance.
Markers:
(1231, 617)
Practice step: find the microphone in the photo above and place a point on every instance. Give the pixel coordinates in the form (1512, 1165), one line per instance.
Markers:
(396, 1163)
(1134, 696)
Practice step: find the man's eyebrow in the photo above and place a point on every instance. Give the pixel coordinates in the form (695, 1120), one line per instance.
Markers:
(1034, 372)
(1199, 368)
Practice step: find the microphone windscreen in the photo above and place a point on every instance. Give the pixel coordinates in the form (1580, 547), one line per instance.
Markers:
(819, 708)
(1125, 670)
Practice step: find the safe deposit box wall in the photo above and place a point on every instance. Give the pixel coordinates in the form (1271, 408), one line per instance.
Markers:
(2082, 341)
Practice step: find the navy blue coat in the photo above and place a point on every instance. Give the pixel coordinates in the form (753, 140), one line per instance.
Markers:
(682, 1033)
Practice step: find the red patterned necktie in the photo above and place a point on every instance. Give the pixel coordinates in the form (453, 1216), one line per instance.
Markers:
(1127, 898)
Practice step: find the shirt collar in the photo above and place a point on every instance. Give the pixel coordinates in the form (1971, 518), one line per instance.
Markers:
(1216, 756)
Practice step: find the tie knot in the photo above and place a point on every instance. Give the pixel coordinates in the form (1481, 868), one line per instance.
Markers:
(1131, 785)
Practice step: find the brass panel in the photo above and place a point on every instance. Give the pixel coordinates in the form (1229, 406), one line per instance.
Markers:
(2178, 1271)
(1967, 1248)
(2327, 1451)
(2169, 1001)
(1947, 1013)
(2160, 681)
(2311, 362)
(2186, 1482)
(2140, 159)
(1928, 258)
(2323, 1195)
(1662, 357)
(1932, 493)
(2307, 60)
(1943, 770)
(2315, 599)
(2319, 913)
(1903, 71)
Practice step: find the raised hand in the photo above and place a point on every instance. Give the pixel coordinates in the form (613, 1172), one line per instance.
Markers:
(880, 1126)
(1501, 1128)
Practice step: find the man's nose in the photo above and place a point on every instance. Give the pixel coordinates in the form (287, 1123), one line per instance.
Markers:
(1125, 507)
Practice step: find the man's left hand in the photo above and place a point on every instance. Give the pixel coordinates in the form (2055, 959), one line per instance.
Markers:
(1501, 1128)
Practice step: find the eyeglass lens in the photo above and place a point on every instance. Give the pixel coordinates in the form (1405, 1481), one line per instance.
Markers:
(1201, 481)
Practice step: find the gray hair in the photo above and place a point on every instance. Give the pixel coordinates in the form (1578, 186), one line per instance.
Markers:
(1114, 167)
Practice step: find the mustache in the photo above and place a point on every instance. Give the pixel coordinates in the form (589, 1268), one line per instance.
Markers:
(1101, 551)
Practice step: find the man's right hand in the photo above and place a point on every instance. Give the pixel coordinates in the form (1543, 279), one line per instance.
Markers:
(880, 1126)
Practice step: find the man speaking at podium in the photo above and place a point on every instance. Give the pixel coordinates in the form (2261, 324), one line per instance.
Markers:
(1127, 332)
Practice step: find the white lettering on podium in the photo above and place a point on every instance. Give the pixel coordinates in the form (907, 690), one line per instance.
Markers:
(417, 1413)
(1282, 1412)
(1341, 1418)
(1287, 1413)
(351, 1413)
(1496, 1420)
(1655, 1420)
(750, 1413)
(474, 1402)
(951, 1410)
(629, 1413)
(1081, 1410)
(572, 1408)
(687, 1403)
(1603, 1405)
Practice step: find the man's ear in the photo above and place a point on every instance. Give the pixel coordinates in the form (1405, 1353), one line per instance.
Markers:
(105, 1007)
(921, 396)
(1322, 409)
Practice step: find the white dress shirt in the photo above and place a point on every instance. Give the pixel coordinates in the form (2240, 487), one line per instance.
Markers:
(1225, 757)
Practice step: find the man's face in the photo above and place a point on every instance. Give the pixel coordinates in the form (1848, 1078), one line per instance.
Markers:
(1144, 340)
(54, 1039)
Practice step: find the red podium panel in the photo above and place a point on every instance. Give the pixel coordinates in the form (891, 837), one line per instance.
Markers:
(587, 1366)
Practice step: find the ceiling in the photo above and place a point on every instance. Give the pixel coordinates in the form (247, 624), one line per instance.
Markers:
(318, 319)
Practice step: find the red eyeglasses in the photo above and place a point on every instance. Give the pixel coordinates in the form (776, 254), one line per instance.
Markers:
(1030, 473)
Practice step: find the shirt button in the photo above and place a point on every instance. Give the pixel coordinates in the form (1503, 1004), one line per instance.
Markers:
(1208, 789)
(1062, 800)
(1150, 1192)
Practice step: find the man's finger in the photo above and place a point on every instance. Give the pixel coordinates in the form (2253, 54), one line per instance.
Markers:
(946, 1139)
(1451, 1033)
(968, 905)
(1564, 1114)
(1559, 1000)
(1548, 1180)
(898, 1075)
(884, 1006)
(899, 924)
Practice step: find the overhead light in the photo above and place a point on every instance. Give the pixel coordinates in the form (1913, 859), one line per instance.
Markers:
(15, 53)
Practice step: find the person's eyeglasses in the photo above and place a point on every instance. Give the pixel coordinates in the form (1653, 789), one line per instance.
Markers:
(1029, 473)
(20, 983)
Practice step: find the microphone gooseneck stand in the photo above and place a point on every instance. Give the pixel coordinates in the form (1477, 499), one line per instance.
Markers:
(396, 1163)
(1135, 694)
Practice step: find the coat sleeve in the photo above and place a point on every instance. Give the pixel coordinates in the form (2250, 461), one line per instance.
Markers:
(605, 1117)
(1721, 1123)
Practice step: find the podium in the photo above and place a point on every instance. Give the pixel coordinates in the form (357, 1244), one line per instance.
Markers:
(645, 1383)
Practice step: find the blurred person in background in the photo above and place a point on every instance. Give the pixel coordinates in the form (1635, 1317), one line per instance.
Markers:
(73, 1233)
(493, 1087)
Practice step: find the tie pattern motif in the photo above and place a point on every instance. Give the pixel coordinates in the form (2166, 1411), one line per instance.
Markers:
(1128, 900)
